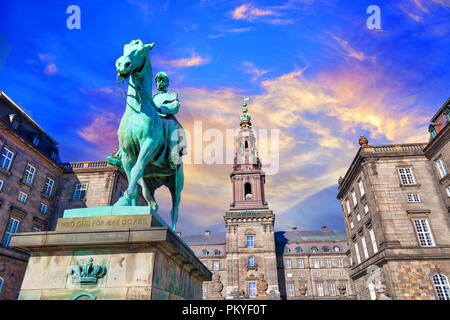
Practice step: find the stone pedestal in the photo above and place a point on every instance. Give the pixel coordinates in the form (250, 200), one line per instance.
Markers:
(115, 256)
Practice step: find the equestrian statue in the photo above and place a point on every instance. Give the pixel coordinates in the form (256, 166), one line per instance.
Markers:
(151, 140)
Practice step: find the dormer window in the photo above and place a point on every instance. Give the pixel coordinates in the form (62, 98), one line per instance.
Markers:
(432, 131)
(15, 120)
(36, 140)
(53, 154)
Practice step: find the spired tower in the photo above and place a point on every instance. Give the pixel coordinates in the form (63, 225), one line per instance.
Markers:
(249, 222)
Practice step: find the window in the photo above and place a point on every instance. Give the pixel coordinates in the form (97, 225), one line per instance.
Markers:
(372, 239)
(53, 155)
(205, 252)
(290, 289)
(423, 232)
(325, 249)
(49, 187)
(216, 265)
(1, 185)
(36, 229)
(366, 209)
(440, 282)
(302, 274)
(413, 197)
(287, 250)
(406, 176)
(358, 217)
(250, 241)
(80, 191)
(35, 140)
(340, 263)
(205, 264)
(289, 274)
(330, 273)
(314, 249)
(43, 208)
(6, 159)
(373, 295)
(300, 263)
(316, 263)
(327, 263)
(15, 122)
(205, 290)
(298, 249)
(361, 187)
(358, 257)
(288, 264)
(441, 167)
(347, 203)
(332, 288)
(320, 290)
(216, 252)
(363, 241)
(29, 174)
(341, 273)
(251, 261)
(11, 229)
(336, 249)
(351, 224)
(252, 288)
(248, 191)
(22, 197)
(354, 198)
(317, 274)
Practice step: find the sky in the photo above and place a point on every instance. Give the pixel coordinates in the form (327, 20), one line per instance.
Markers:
(314, 71)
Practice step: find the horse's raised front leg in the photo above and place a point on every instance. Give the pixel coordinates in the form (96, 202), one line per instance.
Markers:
(147, 152)
(176, 184)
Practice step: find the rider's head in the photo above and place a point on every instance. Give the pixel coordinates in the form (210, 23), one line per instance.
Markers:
(162, 81)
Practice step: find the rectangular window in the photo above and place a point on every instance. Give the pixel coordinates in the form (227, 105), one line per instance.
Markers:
(11, 229)
(332, 288)
(361, 187)
(250, 241)
(43, 208)
(302, 274)
(300, 263)
(288, 263)
(441, 167)
(330, 274)
(366, 208)
(252, 288)
(35, 140)
(22, 197)
(358, 217)
(317, 274)
(406, 176)
(372, 239)
(347, 203)
(340, 263)
(6, 159)
(320, 290)
(29, 174)
(290, 289)
(358, 257)
(80, 191)
(216, 265)
(327, 263)
(413, 197)
(49, 187)
(1, 185)
(364, 244)
(354, 198)
(423, 232)
(316, 263)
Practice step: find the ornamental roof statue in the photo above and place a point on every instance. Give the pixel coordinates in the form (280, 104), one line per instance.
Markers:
(245, 117)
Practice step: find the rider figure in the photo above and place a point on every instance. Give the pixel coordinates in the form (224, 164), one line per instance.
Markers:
(167, 105)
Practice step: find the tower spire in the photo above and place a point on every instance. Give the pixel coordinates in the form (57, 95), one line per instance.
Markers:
(245, 117)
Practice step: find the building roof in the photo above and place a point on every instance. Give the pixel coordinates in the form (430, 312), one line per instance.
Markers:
(310, 236)
(202, 239)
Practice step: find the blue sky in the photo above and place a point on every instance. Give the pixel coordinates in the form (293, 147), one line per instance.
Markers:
(313, 69)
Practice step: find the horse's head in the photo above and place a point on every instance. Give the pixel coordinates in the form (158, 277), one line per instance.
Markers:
(133, 59)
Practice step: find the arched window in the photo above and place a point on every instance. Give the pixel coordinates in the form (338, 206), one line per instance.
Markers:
(314, 249)
(298, 249)
(287, 250)
(205, 252)
(246, 144)
(441, 286)
(248, 191)
(336, 249)
(325, 249)
(217, 252)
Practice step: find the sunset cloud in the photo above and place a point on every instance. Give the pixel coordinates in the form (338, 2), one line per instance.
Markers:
(192, 61)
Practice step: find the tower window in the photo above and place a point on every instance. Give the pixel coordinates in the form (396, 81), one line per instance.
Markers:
(248, 191)
(246, 144)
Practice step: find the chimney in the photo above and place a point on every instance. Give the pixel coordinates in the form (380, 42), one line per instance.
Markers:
(207, 233)
(324, 229)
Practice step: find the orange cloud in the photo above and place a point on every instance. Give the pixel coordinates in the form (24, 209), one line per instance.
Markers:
(192, 61)
(249, 12)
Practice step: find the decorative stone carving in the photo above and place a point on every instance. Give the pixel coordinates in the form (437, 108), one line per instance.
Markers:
(302, 288)
(262, 285)
(88, 274)
(342, 289)
(381, 290)
(363, 142)
(217, 287)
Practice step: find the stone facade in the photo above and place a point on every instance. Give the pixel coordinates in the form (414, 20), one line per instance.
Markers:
(396, 205)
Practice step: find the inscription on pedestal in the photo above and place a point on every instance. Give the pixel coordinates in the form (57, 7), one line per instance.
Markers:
(107, 223)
